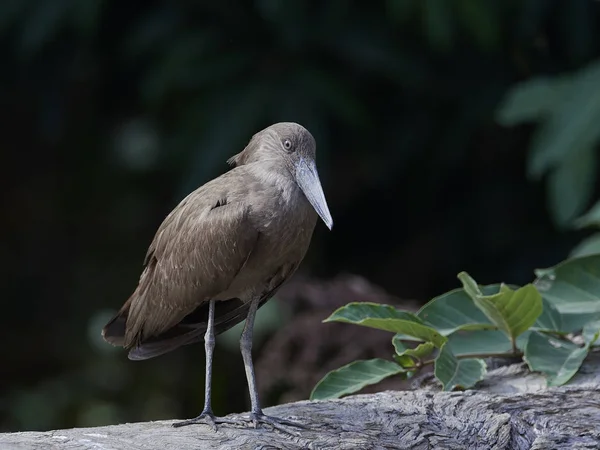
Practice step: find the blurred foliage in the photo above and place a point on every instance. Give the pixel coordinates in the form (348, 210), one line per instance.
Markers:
(566, 143)
(112, 111)
(535, 323)
(591, 244)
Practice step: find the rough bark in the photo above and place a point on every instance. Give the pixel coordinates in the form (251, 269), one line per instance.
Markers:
(511, 409)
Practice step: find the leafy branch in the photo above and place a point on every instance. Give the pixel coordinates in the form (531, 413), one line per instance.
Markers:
(551, 324)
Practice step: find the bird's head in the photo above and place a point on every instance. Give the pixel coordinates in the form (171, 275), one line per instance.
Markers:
(292, 144)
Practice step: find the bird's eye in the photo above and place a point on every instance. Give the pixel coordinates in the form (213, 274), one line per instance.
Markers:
(287, 144)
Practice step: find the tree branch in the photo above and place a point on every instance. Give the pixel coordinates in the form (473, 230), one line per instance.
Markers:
(511, 410)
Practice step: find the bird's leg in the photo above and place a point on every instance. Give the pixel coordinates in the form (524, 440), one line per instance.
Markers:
(246, 350)
(256, 415)
(207, 416)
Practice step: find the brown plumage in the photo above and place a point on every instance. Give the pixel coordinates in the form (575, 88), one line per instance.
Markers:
(226, 249)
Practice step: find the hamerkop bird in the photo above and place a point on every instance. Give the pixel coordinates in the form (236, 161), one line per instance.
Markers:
(223, 252)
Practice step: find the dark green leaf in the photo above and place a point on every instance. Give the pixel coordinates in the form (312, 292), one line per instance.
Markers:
(455, 311)
(550, 319)
(358, 311)
(571, 185)
(388, 318)
(572, 125)
(530, 100)
(589, 246)
(590, 218)
(575, 322)
(573, 287)
(454, 372)
(353, 377)
(484, 342)
(590, 333)
(478, 342)
(559, 360)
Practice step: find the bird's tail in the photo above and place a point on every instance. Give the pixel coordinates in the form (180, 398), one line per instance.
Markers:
(114, 331)
(155, 347)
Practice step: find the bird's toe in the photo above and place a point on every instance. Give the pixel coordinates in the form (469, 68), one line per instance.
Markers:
(207, 418)
(275, 422)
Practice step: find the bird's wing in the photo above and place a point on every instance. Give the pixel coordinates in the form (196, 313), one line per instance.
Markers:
(191, 329)
(195, 255)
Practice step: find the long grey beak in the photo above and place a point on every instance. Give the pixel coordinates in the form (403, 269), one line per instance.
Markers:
(307, 178)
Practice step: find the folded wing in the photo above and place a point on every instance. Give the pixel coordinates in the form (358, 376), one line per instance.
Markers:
(196, 254)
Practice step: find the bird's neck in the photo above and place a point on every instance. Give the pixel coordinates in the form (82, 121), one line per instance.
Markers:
(272, 171)
(277, 174)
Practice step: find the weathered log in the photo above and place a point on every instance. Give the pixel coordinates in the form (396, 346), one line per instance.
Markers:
(511, 409)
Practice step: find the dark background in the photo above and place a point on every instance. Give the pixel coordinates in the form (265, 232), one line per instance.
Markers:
(112, 111)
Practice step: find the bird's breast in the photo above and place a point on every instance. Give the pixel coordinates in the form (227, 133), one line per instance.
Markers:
(285, 226)
(287, 218)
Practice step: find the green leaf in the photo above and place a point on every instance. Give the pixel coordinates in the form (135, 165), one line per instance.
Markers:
(353, 377)
(575, 322)
(590, 218)
(399, 356)
(405, 361)
(573, 287)
(454, 311)
(399, 346)
(357, 311)
(484, 342)
(511, 311)
(550, 319)
(388, 318)
(571, 185)
(572, 125)
(531, 100)
(559, 360)
(591, 330)
(588, 246)
(420, 351)
(479, 342)
(407, 356)
(470, 286)
(454, 372)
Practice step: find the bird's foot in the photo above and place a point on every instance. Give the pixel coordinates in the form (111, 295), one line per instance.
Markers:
(258, 418)
(206, 417)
